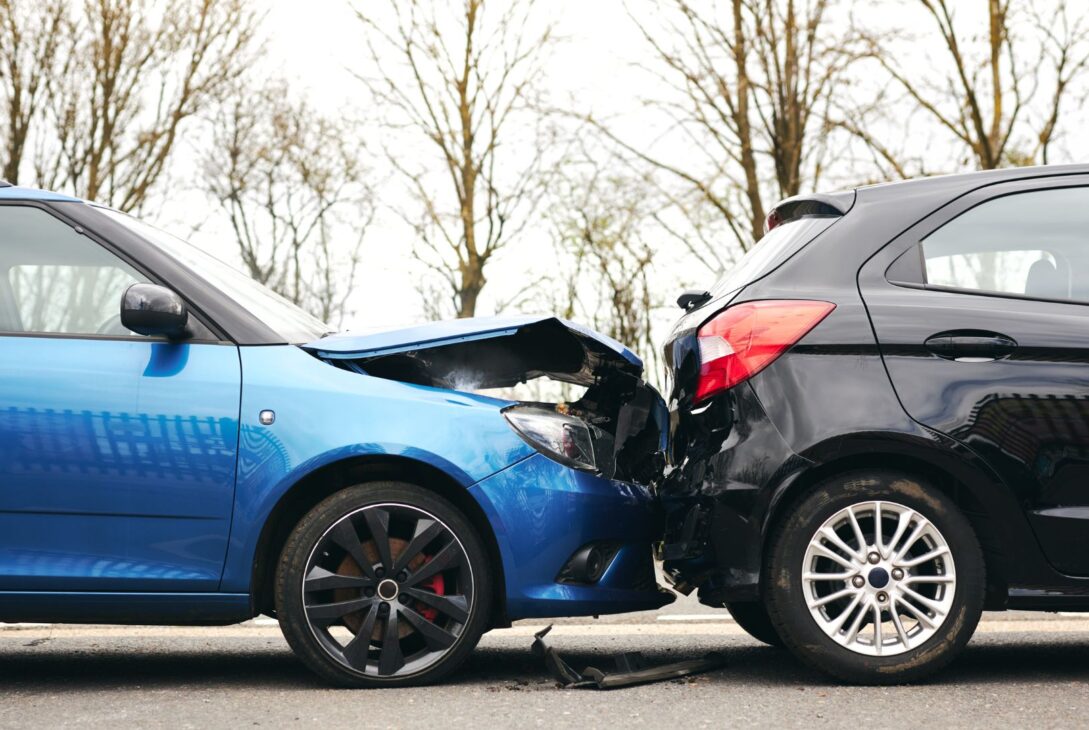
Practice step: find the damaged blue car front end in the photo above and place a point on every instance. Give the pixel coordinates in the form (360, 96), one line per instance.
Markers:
(572, 514)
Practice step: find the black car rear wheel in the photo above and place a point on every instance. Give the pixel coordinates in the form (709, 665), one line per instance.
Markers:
(383, 584)
(875, 578)
(753, 617)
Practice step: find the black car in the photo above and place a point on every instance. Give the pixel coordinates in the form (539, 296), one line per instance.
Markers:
(880, 420)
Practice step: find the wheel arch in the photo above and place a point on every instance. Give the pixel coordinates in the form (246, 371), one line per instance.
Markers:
(976, 495)
(330, 478)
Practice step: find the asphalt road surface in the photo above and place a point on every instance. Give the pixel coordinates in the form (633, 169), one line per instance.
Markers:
(1019, 669)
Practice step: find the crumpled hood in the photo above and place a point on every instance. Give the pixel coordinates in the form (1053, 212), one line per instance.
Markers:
(484, 352)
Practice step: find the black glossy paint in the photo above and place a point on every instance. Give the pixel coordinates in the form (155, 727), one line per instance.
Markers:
(1008, 439)
(1026, 411)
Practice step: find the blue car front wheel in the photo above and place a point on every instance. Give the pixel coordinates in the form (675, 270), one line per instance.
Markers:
(383, 584)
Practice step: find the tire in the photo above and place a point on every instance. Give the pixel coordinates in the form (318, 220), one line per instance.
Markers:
(383, 584)
(926, 585)
(753, 617)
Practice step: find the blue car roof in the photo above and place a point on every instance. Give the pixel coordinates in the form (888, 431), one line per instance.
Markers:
(14, 192)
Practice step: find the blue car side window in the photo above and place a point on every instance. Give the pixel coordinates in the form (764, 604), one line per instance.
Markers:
(56, 280)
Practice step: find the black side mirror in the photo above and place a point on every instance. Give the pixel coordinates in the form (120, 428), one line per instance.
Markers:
(149, 309)
(692, 299)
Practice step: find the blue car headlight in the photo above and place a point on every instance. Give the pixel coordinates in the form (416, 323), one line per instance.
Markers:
(564, 438)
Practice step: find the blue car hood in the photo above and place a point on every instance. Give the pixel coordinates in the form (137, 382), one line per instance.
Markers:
(484, 352)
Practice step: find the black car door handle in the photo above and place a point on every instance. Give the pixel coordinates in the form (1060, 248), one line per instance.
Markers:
(971, 346)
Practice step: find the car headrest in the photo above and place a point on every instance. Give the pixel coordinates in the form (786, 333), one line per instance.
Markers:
(1044, 281)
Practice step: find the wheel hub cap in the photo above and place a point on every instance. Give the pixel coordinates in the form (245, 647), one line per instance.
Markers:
(387, 590)
(879, 578)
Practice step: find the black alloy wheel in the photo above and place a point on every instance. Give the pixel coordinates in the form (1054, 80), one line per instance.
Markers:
(383, 584)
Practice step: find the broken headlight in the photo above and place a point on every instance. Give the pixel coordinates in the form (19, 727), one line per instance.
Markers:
(567, 439)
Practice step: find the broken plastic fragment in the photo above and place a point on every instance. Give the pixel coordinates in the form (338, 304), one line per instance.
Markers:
(631, 668)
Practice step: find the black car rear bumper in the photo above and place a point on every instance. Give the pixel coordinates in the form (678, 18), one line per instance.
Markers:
(716, 499)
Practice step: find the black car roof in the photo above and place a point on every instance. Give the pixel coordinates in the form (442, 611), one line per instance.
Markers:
(977, 178)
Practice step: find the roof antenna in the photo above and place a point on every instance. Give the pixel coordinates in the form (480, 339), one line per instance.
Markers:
(5, 184)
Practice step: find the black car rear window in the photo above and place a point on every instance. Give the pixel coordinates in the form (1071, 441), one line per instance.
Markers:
(778, 245)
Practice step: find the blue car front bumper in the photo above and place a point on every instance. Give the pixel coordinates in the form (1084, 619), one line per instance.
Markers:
(543, 513)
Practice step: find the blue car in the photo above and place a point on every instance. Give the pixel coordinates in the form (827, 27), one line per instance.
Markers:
(179, 445)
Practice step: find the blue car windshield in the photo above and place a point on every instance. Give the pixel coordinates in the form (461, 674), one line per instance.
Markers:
(286, 319)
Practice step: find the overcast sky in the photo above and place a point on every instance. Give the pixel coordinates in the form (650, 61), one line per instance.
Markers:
(315, 44)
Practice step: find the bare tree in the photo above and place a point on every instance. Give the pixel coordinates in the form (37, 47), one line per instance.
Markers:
(295, 193)
(600, 217)
(988, 92)
(30, 36)
(749, 84)
(132, 74)
(460, 79)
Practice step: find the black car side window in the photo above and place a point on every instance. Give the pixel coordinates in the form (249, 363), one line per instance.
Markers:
(53, 280)
(1033, 244)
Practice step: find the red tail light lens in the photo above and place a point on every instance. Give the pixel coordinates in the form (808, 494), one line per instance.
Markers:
(773, 220)
(744, 339)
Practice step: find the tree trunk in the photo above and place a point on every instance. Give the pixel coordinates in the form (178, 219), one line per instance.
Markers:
(472, 283)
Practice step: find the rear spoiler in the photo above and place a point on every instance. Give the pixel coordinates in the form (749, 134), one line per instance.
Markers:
(809, 206)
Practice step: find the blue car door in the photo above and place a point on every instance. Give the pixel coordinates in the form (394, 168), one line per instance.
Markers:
(117, 451)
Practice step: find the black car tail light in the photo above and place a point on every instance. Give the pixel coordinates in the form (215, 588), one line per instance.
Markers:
(742, 340)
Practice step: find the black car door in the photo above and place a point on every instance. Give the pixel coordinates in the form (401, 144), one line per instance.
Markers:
(981, 311)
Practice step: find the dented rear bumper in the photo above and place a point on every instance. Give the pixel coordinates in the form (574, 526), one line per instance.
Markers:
(733, 461)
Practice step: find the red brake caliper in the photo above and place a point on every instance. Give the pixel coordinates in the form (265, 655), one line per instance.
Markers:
(436, 585)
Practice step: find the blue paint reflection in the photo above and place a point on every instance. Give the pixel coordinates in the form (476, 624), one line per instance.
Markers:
(118, 445)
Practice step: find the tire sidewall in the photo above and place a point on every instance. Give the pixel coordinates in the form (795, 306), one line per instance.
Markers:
(753, 618)
(301, 544)
(786, 600)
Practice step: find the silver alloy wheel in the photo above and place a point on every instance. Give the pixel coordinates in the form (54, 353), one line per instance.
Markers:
(879, 578)
(388, 590)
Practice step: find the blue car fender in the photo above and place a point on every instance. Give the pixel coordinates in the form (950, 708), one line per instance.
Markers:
(324, 415)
